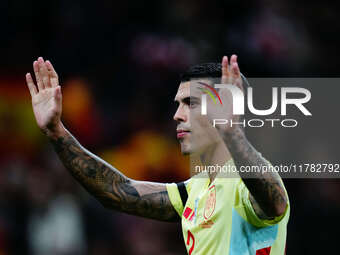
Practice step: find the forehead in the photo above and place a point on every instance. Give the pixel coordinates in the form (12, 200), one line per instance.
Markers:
(191, 88)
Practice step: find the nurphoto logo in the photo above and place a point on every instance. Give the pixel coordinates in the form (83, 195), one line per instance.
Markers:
(239, 104)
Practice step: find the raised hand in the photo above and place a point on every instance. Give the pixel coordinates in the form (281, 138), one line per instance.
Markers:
(230, 75)
(46, 96)
(224, 112)
(231, 72)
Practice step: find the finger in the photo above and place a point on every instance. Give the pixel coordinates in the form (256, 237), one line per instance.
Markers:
(235, 70)
(30, 84)
(225, 70)
(52, 74)
(236, 75)
(37, 75)
(44, 73)
(233, 59)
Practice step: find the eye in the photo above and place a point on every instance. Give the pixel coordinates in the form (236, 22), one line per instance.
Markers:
(192, 104)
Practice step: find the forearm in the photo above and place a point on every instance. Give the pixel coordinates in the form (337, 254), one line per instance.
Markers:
(94, 174)
(265, 187)
(108, 185)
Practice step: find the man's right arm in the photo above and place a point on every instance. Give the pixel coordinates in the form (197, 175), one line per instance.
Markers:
(107, 184)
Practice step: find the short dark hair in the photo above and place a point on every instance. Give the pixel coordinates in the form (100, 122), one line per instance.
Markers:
(212, 71)
(207, 70)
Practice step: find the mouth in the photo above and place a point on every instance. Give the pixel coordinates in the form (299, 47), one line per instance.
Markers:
(182, 133)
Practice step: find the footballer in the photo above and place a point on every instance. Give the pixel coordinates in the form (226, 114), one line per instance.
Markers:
(243, 215)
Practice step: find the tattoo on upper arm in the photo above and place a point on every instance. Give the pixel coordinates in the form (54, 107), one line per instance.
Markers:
(109, 186)
(266, 188)
(257, 209)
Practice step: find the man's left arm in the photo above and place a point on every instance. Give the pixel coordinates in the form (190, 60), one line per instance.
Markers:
(267, 194)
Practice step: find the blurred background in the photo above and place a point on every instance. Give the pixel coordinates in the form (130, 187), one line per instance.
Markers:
(119, 64)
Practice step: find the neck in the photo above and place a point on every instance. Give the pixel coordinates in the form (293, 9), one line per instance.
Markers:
(217, 154)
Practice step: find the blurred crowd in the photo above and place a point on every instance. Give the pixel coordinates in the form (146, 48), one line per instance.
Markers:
(119, 65)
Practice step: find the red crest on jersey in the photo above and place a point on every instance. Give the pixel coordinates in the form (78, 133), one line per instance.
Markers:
(210, 203)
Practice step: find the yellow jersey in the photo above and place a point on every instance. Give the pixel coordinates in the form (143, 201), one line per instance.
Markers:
(218, 218)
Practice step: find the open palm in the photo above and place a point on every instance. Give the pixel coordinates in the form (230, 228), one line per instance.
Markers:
(46, 96)
(230, 76)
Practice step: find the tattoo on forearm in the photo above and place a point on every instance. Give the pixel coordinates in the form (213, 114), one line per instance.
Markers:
(268, 194)
(109, 186)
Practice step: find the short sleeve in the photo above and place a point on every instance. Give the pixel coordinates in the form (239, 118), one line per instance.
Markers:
(175, 197)
(251, 216)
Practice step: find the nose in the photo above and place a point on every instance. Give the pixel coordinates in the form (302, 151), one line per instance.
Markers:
(180, 115)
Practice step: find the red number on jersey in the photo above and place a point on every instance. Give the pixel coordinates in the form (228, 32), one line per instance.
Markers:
(191, 236)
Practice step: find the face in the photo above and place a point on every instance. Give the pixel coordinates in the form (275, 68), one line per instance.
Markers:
(194, 130)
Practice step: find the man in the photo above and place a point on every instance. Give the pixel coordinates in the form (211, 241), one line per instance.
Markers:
(246, 215)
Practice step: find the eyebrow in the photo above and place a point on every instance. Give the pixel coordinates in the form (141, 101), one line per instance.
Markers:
(187, 99)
